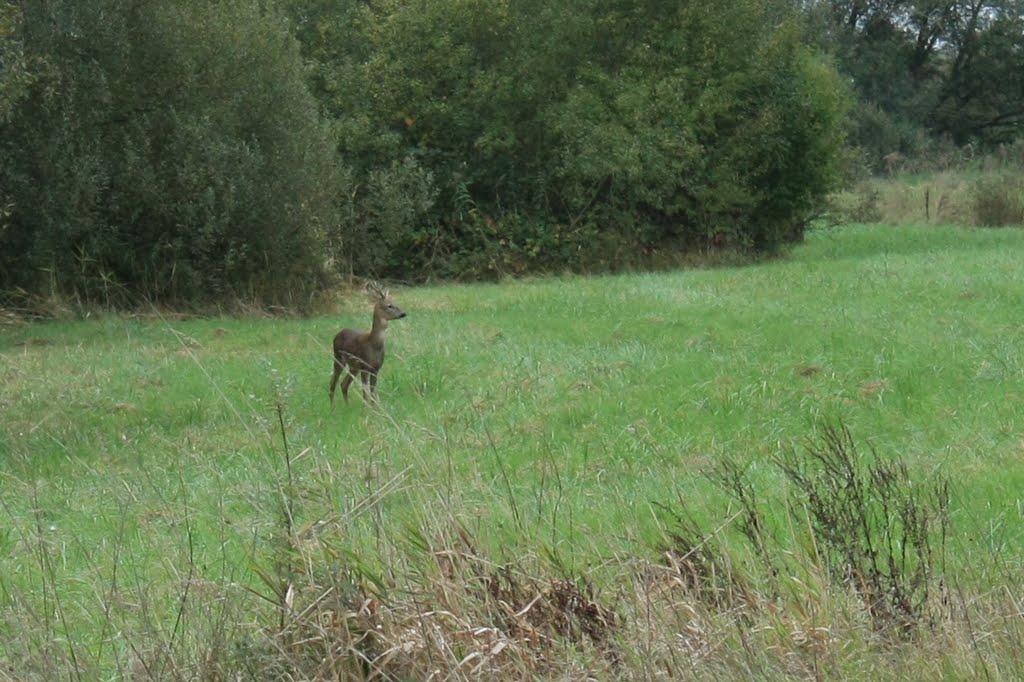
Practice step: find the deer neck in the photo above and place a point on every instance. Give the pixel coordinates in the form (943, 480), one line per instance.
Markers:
(380, 326)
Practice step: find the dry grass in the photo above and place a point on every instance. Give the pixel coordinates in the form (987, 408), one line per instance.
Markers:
(445, 610)
(991, 198)
(431, 603)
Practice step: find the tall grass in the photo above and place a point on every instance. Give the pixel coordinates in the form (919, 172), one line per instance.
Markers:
(536, 496)
(982, 197)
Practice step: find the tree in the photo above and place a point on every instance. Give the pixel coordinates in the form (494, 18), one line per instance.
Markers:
(168, 149)
(983, 97)
(926, 69)
(579, 134)
(16, 79)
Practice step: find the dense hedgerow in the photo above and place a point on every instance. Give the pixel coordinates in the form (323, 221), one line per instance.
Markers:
(588, 135)
(166, 150)
(192, 152)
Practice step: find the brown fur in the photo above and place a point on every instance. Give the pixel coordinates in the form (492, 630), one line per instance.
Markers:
(361, 353)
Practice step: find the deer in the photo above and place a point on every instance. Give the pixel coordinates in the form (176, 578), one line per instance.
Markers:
(361, 353)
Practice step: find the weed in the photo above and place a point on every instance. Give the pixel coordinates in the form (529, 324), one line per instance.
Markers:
(876, 529)
(998, 200)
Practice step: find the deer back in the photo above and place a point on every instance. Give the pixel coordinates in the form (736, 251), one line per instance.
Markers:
(357, 349)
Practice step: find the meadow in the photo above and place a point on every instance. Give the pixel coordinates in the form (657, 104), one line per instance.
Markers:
(180, 501)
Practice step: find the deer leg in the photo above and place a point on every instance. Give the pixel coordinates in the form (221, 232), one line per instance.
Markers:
(334, 379)
(373, 385)
(345, 383)
(366, 379)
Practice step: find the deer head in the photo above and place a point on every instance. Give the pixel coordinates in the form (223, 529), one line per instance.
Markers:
(383, 306)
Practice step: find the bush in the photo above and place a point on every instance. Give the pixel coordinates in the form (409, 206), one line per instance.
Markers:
(876, 530)
(880, 532)
(382, 215)
(998, 200)
(859, 205)
(166, 150)
(549, 133)
(175, 151)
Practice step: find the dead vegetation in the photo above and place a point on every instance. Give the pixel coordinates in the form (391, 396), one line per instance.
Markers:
(985, 198)
(851, 568)
(838, 574)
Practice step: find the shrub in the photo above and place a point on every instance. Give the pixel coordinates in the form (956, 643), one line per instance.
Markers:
(382, 216)
(859, 205)
(551, 132)
(998, 200)
(877, 531)
(166, 149)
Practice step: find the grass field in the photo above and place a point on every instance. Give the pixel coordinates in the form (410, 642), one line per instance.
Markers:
(178, 496)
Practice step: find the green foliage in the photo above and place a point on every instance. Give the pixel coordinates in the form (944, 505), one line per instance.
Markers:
(578, 136)
(983, 98)
(383, 213)
(170, 150)
(927, 71)
(189, 150)
(16, 77)
(17, 74)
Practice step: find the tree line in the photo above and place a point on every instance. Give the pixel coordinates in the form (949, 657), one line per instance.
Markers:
(927, 72)
(192, 151)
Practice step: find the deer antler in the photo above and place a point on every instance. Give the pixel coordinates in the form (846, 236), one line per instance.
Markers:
(376, 291)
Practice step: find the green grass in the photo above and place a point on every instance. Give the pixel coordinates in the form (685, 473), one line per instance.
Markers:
(547, 417)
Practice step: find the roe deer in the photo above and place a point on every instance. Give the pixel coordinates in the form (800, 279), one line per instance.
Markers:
(362, 353)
